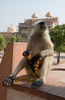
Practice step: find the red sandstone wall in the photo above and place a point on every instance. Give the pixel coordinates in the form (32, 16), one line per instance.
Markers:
(11, 58)
(18, 49)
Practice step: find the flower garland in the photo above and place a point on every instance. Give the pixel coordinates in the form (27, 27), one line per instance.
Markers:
(30, 80)
(36, 65)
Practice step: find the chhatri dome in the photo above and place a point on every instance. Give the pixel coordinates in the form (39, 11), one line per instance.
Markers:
(11, 29)
(34, 15)
(48, 14)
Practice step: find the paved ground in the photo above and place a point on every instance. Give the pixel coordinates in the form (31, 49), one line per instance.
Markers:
(62, 58)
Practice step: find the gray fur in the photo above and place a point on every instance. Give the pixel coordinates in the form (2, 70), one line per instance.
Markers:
(39, 42)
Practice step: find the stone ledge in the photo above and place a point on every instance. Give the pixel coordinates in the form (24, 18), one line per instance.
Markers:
(51, 90)
(37, 92)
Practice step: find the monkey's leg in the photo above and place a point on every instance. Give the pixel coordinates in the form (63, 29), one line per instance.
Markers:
(23, 63)
(43, 72)
(9, 80)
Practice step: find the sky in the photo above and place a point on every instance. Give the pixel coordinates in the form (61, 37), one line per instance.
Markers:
(15, 11)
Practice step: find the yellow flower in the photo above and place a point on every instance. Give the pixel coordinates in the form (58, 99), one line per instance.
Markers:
(19, 81)
(29, 82)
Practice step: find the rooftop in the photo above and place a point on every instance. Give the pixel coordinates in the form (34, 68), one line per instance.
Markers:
(29, 22)
(48, 14)
(34, 15)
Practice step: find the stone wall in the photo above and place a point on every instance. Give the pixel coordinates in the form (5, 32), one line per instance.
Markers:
(11, 58)
(17, 95)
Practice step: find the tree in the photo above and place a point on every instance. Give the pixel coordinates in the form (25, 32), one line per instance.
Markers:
(13, 39)
(2, 43)
(19, 39)
(58, 38)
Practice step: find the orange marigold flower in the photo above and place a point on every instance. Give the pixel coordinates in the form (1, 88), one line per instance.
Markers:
(36, 68)
(36, 72)
(36, 65)
(37, 62)
(29, 57)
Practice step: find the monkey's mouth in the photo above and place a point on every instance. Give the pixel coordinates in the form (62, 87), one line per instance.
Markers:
(43, 28)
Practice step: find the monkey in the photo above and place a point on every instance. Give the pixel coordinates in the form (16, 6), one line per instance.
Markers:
(42, 49)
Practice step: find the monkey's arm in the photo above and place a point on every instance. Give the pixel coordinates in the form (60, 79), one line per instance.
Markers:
(28, 49)
(42, 54)
(47, 52)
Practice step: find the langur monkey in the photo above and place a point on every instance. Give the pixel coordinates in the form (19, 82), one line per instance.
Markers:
(41, 48)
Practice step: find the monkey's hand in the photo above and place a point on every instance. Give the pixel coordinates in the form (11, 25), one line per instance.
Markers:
(35, 58)
(37, 84)
(8, 81)
(26, 53)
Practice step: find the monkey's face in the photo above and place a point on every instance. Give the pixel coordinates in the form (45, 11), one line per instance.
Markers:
(43, 25)
(40, 26)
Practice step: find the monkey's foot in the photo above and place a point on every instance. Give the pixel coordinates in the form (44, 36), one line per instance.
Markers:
(37, 84)
(8, 81)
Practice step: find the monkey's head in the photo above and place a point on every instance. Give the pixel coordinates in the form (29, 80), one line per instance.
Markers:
(40, 26)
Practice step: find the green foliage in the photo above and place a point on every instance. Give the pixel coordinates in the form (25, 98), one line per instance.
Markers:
(13, 39)
(58, 37)
(7, 42)
(19, 39)
(2, 42)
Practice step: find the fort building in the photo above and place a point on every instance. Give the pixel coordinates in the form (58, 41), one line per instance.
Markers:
(11, 31)
(24, 29)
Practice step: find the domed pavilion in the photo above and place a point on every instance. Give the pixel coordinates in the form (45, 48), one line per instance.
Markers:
(48, 14)
(11, 29)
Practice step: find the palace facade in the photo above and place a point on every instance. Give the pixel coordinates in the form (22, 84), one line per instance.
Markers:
(24, 29)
